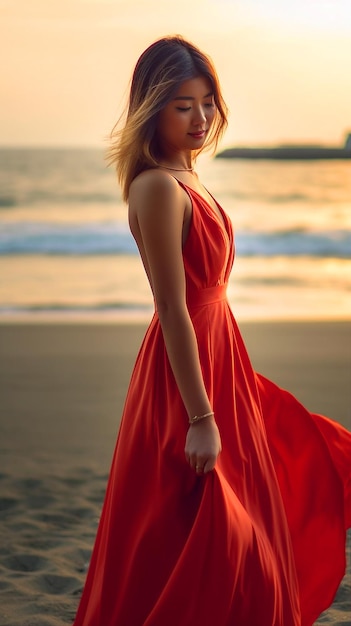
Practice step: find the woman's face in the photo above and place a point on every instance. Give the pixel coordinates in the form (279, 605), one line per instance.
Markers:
(185, 121)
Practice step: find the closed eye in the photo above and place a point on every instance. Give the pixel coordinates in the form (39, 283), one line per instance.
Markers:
(183, 108)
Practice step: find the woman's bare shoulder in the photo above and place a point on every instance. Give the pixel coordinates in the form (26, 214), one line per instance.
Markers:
(154, 184)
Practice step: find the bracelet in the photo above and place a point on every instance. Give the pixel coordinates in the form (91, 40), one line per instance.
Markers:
(197, 418)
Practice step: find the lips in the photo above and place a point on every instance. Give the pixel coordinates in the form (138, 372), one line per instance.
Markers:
(199, 135)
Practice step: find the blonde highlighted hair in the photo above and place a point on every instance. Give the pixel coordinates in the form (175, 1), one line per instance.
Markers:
(157, 76)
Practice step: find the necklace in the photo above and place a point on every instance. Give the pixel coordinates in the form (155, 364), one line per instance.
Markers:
(177, 169)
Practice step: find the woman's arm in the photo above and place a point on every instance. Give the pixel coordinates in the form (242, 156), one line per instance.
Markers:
(157, 214)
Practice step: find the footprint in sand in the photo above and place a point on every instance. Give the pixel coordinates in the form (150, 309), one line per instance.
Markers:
(55, 585)
(7, 503)
(25, 562)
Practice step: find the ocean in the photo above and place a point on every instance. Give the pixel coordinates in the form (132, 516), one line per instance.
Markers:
(66, 251)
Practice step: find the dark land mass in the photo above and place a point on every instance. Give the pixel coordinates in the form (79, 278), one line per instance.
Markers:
(289, 152)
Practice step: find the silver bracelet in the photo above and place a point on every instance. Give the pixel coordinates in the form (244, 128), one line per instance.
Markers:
(197, 418)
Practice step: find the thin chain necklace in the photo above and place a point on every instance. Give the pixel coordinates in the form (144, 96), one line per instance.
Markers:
(177, 169)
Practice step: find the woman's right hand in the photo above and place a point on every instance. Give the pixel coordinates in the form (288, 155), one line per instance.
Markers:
(203, 445)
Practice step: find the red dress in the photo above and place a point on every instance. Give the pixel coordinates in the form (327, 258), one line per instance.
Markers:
(260, 541)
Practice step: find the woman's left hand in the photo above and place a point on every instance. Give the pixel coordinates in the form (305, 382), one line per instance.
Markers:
(203, 445)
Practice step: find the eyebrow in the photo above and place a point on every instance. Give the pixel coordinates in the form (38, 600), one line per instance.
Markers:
(191, 97)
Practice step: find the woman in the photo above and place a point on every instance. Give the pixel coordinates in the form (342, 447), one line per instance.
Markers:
(225, 502)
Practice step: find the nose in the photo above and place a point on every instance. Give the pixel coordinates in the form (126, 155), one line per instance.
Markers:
(199, 116)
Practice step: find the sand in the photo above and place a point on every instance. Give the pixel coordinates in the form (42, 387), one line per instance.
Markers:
(62, 388)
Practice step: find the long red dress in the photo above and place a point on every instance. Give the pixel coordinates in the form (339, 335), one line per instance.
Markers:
(260, 541)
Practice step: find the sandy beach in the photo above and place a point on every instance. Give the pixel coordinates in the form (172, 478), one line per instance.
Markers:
(62, 388)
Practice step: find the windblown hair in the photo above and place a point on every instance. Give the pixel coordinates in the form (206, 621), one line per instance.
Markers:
(157, 76)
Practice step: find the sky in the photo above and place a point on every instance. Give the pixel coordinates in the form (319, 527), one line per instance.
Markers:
(284, 65)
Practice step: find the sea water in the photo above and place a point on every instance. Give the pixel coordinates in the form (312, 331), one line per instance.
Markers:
(66, 251)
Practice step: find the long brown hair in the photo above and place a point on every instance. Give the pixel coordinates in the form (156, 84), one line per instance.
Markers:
(159, 72)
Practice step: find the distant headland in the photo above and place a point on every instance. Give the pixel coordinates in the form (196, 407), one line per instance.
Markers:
(293, 152)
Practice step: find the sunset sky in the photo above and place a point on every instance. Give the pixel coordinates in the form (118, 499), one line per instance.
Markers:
(284, 65)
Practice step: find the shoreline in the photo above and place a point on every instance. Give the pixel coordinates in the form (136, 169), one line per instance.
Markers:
(143, 319)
